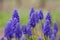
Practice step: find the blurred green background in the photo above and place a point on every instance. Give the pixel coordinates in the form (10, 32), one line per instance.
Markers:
(23, 6)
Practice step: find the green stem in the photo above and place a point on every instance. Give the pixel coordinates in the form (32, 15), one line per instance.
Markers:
(46, 37)
(33, 33)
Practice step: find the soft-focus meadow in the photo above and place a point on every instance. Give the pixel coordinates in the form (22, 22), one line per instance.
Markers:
(24, 10)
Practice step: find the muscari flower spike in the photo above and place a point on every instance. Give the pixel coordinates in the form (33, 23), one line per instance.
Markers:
(53, 37)
(14, 22)
(55, 28)
(27, 30)
(16, 25)
(34, 19)
(41, 16)
(48, 17)
(13, 27)
(24, 29)
(18, 31)
(47, 22)
(8, 32)
(46, 29)
(36, 16)
(15, 15)
(32, 11)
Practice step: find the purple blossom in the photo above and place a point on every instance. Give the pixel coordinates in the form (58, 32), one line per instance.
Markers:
(32, 11)
(47, 22)
(14, 22)
(24, 27)
(33, 20)
(18, 31)
(53, 37)
(46, 29)
(27, 30)
(48, 17)
(13, 27)
(41, 16)
(32, 23)
(37, 17)
(55, 28)
(8, 32)
(15, 15)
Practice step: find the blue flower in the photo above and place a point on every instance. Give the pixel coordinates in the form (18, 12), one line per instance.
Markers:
(41, 16)
(13, 27)
(33, 20)
(18, 31)
(39, 38)
(27, 30)
(14, 22)
(15, 15)
(24, 27)
(47, 22)
(52, 37)
(32, 11)
(48, 17)
(8, 32)
(55, 28)
(46, 29)
(36, 16)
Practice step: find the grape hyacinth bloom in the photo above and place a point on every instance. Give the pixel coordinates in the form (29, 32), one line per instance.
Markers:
(16, 25)
(37, 16)
(33, 20)
(48, 17)
(46, 29)
(32, 11)
(18, 31)
(27, 30)
(55, 28)
(15, 15)
(24, 27)
(8, 32)
(13, 27)
(41, 14)
(53, 37)
(14, 22)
